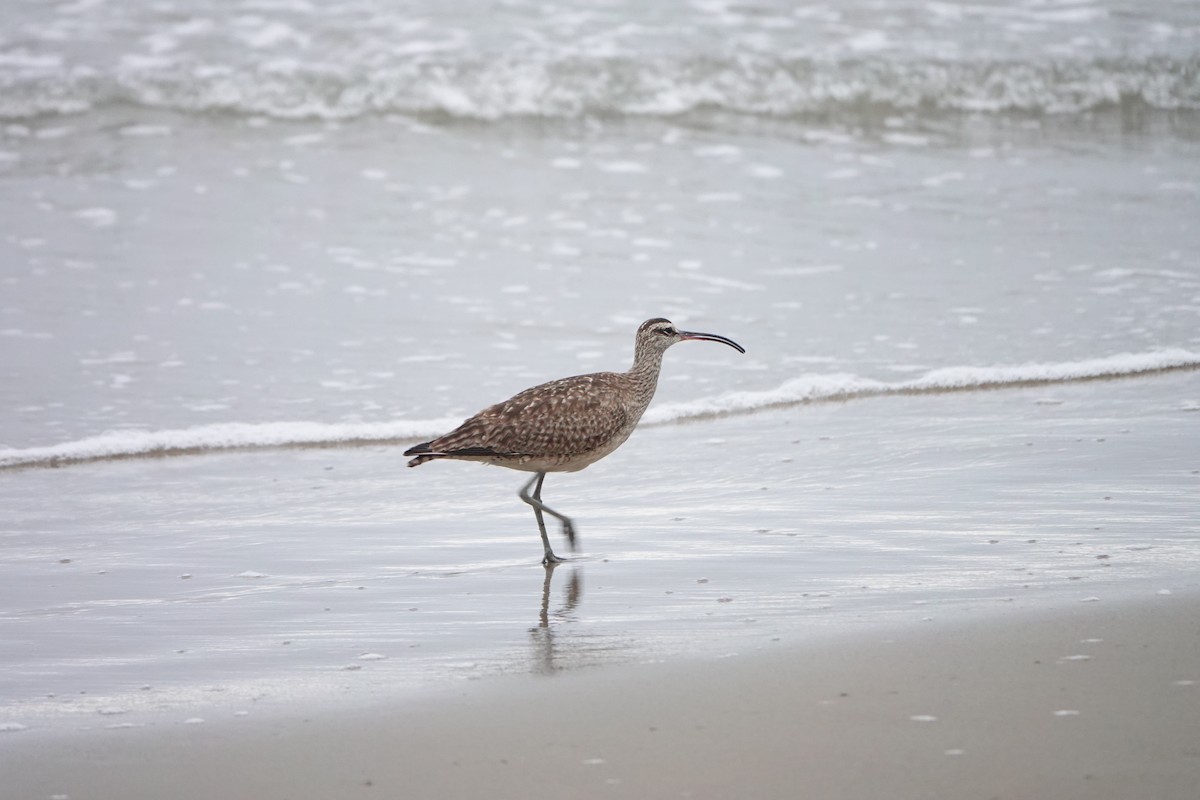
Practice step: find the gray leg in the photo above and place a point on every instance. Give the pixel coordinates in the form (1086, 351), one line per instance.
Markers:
(535, 500)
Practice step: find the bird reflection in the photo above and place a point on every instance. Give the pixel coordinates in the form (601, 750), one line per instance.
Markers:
(543, 636)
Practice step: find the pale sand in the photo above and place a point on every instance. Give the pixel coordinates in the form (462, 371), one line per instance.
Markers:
(1002, 707)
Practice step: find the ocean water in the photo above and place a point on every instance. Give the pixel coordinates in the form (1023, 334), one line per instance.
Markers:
(959, 242)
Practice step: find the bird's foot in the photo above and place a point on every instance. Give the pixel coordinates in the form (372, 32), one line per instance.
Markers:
(551, 560)
(569, 532)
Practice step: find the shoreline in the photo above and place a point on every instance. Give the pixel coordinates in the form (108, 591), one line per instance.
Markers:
(1098, 700)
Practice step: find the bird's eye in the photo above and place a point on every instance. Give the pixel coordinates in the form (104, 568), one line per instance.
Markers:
(667, 331)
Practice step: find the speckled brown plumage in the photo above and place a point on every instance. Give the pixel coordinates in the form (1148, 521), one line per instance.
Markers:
(563, 425)
(555, 427)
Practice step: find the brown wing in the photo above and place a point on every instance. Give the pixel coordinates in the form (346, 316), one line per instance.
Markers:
(561, 418)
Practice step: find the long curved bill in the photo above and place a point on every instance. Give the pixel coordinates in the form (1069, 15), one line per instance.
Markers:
(711, 337)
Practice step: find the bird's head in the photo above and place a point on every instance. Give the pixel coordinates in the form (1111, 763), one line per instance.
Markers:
(658, 334)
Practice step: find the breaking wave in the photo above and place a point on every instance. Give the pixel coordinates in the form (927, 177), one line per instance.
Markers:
(799, 390)
(596, 86)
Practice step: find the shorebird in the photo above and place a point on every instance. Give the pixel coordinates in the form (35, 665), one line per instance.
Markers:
(563, 425)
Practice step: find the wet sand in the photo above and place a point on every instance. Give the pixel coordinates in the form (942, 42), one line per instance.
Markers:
(1096, 700)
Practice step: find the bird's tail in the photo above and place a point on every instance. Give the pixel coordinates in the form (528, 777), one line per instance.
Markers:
(423, 453)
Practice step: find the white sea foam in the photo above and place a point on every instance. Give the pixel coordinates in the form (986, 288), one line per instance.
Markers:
(845, 386)
(801, 389)
(464, 85)
(221, 436)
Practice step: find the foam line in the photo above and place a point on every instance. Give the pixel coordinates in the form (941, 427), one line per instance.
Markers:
(843, 386)
(798, 390)
(223, 436)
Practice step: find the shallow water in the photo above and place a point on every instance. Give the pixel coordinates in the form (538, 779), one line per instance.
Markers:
(478, 267)
(166, 586)
(305, 225)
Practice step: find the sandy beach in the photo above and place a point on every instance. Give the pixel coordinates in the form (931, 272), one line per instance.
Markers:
(1097, 700)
